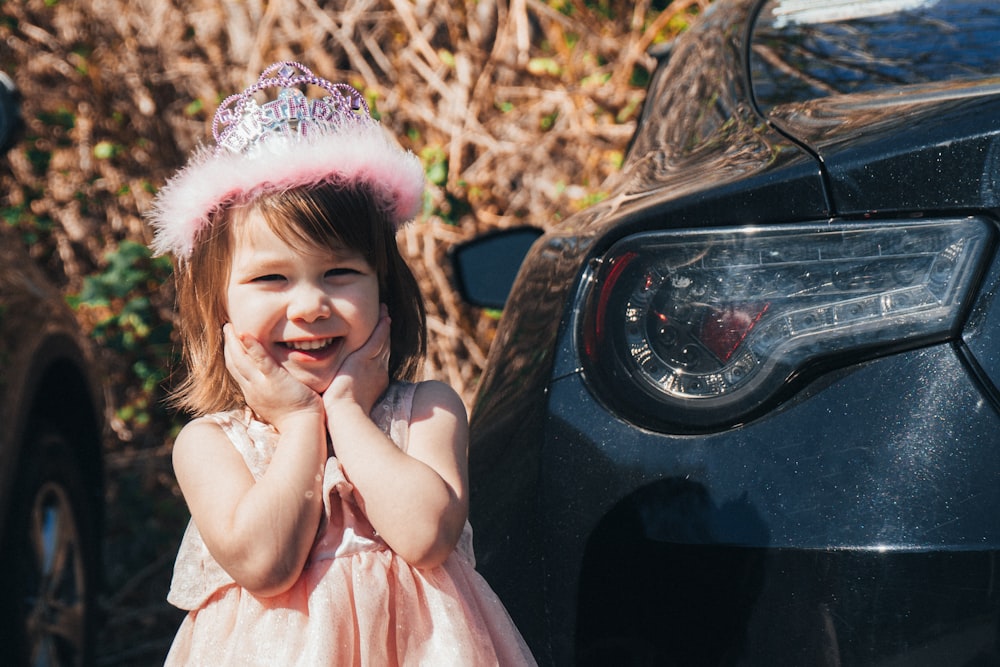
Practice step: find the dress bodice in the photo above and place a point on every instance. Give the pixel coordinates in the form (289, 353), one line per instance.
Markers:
(344, 530)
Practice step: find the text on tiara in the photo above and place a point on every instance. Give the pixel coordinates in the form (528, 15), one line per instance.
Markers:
(290, 114)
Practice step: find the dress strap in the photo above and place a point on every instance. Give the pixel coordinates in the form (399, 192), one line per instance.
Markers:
(393, 410)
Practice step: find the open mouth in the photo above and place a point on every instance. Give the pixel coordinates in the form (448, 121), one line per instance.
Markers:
(313, 346)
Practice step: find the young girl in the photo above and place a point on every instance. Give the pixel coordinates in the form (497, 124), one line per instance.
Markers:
(328, 493)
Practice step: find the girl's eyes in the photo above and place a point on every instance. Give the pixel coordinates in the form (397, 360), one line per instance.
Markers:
(342, 271)
(332, 273)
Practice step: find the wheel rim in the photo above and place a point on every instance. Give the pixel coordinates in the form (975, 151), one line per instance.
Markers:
(56, 585)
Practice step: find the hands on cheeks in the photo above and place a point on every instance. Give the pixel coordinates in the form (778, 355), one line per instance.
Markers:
(269, 390)
(273, 394)
(364, 375)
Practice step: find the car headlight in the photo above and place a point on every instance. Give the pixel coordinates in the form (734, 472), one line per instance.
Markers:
(695, 330)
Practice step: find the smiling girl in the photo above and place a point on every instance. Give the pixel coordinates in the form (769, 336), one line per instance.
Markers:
(328, 492)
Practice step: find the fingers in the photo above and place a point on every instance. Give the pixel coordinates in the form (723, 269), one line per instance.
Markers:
(255, 352)
(233, 352)
(269, 390)
(379, 341)
(378, 345)
(364, 375)
(243, 365)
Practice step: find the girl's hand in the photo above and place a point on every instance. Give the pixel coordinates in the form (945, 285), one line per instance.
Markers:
(259, 529)
(269, 390)
(364, 375)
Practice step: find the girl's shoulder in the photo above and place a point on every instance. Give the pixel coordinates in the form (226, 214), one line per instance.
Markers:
(434, 394)
(223, 434)
(421, 398)
(215, 425)
(196, 430)
(405, 403)
(438, 418)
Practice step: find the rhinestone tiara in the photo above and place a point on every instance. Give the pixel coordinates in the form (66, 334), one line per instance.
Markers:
(289, 142)
(244, 123)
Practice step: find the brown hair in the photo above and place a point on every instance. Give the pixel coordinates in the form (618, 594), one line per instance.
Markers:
(328, 215)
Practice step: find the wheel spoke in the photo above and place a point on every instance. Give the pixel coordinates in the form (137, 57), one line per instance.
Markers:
(56, 611)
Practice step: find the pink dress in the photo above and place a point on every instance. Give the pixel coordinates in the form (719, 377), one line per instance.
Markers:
(356, 602)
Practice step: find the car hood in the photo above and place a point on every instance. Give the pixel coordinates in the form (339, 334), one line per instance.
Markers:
(919, 149)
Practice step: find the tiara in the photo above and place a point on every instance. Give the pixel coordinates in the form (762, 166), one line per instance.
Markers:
(246, 123)
(288, 142)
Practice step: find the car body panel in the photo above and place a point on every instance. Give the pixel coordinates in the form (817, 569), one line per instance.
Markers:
(742, 488)
(794, 531)
(982, 334)
(932, 149)
(37, 333)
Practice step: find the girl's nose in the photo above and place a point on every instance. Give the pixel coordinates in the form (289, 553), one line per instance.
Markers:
(309, 303)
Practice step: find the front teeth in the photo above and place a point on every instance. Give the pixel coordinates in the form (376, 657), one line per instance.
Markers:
(309, 345)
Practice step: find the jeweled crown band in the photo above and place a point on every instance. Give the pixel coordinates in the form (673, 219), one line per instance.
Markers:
(246, 123)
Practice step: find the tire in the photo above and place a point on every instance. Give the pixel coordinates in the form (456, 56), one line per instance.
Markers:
(49, 563)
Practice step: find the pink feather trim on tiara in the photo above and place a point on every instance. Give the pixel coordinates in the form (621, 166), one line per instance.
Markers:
(288, 143)
(209, 182)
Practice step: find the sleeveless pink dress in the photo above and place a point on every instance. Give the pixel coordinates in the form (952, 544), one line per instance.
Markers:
(355, 603)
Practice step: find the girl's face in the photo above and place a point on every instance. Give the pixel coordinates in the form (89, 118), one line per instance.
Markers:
(308, 309)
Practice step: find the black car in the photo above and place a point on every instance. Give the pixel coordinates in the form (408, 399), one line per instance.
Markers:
(746, 410)
(51, 490)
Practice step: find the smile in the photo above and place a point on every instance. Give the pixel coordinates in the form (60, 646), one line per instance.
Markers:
(309, 345)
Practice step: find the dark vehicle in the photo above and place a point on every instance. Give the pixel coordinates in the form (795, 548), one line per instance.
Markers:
(746, 410)
(51, 490)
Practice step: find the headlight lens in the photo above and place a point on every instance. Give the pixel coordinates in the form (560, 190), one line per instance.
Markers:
(703, 329)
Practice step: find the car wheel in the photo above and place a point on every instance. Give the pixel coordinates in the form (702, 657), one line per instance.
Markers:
(50, 557)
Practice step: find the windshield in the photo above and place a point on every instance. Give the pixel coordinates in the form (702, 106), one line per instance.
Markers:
(806, 49)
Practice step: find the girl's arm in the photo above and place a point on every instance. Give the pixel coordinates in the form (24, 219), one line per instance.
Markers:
(417, 500)
(259, 532)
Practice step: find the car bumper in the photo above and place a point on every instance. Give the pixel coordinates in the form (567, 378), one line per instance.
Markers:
(858, 521)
